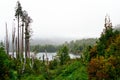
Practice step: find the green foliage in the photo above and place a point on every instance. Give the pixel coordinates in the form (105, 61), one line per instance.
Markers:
(6, 64)
(78, 46)
(53, 64)
(75, 47)
(75, 70)
(33, 77)
(39, 67)
(42, 48)
(63, 54)
(86, 55)
(104, 61)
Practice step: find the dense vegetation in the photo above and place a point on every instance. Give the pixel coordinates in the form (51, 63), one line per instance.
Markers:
(62, 67)
(79, 46)
(104, 57)
(75, 47)
(100, 58)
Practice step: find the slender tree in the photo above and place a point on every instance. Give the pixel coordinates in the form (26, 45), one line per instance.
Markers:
(18, 14)
(16, 45)
(20, 40)
(23, 24)
(7, 42)
(13, 38)
(28, 20)
(47, 57)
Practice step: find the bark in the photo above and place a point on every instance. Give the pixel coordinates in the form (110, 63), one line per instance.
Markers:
(27, 36)
(22, 46)
(26, 40)
(20, 42)
(16, 47)
(13, 41)
(18, 39)
(28, 48)
(7, 42)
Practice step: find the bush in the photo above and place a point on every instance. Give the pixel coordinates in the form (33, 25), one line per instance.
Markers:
(6, 71)
(63, 55)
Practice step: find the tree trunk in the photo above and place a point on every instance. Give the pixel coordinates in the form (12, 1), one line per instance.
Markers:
(28, 48)
(26, 42)
(25, 47)
(16, 48)
(22, 46)
(7, 43)
(18, 39)
(13, 40)
(20, 42)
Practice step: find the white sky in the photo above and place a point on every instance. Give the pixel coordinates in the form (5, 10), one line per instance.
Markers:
(62, 18)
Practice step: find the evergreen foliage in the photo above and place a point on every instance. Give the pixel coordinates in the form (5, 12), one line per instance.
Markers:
(6, 66)
(63, 54)
(104, 61)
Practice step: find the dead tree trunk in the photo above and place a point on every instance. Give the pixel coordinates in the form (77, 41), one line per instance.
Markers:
(22, 46)
(13, 41)
(16, 47)
(26, 41)
(20, 42)
(27, 36)
(7, 42)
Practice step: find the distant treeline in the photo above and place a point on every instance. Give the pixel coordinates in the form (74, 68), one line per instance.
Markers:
(79, 46)
(75, 47)
(43, 48)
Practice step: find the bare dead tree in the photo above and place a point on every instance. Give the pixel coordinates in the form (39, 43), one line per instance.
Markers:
(23, 24)
(47, 57)
(20, 42)
(28, 20)
(7, 42)
(16, 47)
(13, 39)
(108, 24)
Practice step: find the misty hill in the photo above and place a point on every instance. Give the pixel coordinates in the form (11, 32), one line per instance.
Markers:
(73, 43)
(79, 46)
(50, 41)
(75, 46)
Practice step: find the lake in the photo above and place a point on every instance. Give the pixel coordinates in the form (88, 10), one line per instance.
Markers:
(49, 55)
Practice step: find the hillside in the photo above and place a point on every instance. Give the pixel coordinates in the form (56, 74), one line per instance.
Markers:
(117, 27)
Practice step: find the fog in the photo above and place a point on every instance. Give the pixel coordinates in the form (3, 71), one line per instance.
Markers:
(62, 18)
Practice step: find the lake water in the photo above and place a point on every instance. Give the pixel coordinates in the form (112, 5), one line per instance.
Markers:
(52, 55)
(49, 55)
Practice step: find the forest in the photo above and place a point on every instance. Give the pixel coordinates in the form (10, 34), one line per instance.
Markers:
(75, 47)
(100, 57)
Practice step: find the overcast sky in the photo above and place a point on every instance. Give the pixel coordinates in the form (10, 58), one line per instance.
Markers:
(62, 18)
